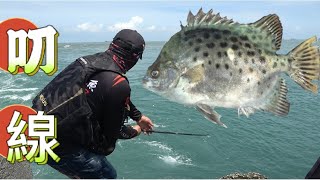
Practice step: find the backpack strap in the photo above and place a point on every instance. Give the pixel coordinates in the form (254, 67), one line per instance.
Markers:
(85, 63)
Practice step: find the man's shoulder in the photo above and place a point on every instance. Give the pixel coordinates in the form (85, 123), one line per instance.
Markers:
(109, 75)
(107, 81)
(109, 78)
(93, 55)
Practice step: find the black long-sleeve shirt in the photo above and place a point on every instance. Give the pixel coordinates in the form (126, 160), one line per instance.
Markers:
(108, 95)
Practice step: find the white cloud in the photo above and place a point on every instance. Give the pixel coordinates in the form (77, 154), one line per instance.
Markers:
(89, 27)
(133, 23)
(155, 28)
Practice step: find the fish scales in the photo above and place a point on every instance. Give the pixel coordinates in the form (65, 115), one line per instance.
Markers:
(229, 59)
(216, 62)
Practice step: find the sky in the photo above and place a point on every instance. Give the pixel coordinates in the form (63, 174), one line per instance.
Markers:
(99, 21)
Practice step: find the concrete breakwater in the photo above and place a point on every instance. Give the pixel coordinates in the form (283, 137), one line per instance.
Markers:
(18, 170)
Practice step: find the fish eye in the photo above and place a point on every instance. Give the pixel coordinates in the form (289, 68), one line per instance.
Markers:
(155, 74)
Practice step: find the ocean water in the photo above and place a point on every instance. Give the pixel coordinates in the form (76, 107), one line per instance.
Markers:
(278, 147)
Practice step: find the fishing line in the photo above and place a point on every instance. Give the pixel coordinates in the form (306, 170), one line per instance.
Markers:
(176, 133)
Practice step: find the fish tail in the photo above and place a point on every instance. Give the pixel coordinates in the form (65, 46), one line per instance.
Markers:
(304, 63)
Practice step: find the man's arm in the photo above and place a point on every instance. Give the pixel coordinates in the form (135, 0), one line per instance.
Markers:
(143, 121)
(134, 113)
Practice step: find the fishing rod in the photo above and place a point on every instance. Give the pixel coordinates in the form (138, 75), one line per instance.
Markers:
(176, 133)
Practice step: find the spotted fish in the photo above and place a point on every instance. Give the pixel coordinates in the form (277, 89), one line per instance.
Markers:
(217, 62)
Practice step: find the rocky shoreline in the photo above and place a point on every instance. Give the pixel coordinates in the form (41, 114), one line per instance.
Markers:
(249, 175)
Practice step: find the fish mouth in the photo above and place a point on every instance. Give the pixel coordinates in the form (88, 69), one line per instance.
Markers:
(156, 86)
(145, 79)
(152, 85)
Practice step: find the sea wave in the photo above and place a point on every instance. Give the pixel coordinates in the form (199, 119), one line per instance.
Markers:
(18, 90)
(16, 97)
(176, 160)
(158, 145)
(167, 154)
(159, 125)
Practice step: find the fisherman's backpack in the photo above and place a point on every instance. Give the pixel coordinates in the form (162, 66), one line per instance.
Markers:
(64, 98)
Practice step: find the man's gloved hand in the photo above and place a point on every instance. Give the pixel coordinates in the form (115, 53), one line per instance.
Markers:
(145, 123)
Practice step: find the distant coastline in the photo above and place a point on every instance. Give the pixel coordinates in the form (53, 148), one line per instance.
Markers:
(107, 42)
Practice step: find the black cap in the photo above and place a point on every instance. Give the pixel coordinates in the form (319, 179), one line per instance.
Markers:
(130, 40)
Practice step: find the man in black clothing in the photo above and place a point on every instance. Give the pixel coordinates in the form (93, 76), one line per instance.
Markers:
(91, 116)
(314, 172)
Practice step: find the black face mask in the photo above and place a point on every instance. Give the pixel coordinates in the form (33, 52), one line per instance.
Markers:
(128, 54)
(129, 64)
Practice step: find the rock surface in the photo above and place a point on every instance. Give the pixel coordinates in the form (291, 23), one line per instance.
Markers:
(249, 175)
(18, 170)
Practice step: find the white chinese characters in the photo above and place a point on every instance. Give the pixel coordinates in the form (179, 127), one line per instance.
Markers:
(44, 39)
(92, 85)
(41, 129)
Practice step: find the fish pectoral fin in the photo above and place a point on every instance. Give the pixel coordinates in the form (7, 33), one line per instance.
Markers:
(246, 111)
(278, 103)
(210, 114)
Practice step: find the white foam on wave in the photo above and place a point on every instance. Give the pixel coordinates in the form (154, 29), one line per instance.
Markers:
(13, 83)
(7, 81)
(22, 79)
(158, 145)
(18, 90)
(159, 125)
(16, 97)
(169, 156)
(176, 160)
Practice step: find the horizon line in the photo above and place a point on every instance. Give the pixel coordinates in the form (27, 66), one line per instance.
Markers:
(318, 40)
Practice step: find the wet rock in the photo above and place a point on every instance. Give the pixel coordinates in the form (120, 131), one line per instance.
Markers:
(249, 175)
(18, 170)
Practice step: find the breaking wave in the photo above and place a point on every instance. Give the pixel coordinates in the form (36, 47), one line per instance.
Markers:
(168, 155)
(16, 97)
(18, 90)
(176, 160)
(158, 145)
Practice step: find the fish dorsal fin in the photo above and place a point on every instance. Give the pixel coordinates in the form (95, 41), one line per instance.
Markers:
(206, 19)
(272, 26)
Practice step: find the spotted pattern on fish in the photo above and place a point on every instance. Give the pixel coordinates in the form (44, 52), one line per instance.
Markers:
(223, 63)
